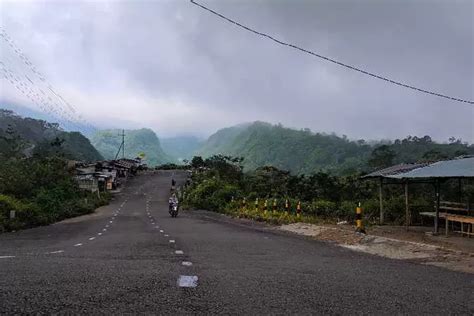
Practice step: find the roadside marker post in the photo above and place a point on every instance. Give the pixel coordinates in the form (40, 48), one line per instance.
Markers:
(244, 204)
(359, 224)
(287, 207)
(274, 206)
(265, 207)
(256, 205)
(298, 209)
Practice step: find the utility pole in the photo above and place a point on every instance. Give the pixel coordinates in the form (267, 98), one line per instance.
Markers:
(122, 145)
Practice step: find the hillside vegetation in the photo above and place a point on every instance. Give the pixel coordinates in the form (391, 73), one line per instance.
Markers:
(36, 136)
(35, 180)
(141, 141)
(305, 152)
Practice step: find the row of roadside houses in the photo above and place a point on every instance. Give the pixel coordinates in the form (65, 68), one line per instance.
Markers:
(106, 175)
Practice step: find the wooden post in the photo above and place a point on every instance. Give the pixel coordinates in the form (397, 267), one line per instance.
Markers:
(447, 226)
(407, 208)
(436, 221)
(381, 201)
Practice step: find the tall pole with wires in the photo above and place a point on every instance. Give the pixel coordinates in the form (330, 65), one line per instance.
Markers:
(122, 145)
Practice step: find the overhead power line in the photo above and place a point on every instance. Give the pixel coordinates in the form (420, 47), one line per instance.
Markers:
(38, 89)
(374, 75)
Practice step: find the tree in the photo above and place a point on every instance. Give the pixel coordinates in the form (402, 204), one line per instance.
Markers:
(197, 162)
(381, 157)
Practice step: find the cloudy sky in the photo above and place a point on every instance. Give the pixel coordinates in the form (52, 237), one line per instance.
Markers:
(173, 67)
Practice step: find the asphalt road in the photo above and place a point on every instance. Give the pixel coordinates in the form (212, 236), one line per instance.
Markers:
(129, 256)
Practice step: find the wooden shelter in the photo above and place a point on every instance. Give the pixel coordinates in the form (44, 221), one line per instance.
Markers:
(435, 173)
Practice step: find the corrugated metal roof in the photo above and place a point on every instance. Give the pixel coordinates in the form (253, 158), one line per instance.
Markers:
(394, 170)
(456, 168)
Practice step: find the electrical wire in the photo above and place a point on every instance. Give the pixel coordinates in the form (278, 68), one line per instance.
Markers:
(360, 70)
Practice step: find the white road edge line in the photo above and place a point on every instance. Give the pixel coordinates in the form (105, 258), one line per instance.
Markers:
(6, 257)
(179, 252)
(187, 263)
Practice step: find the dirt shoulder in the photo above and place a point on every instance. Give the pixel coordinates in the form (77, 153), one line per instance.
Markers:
(454, 253)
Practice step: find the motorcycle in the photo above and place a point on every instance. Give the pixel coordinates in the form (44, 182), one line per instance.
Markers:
(174, 210)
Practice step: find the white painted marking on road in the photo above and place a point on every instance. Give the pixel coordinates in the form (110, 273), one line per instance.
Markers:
(187, 263)
(107, 226)
(57, 251)
(78, 245)
(162, 231)
(179, 252)
(172, 241)
(6, 257)
(111, 222)
(187, 281)
(100, 234)
(104, 230)
(92, 238)
(166, 235)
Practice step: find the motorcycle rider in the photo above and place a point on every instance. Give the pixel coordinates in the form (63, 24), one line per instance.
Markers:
(173, 200)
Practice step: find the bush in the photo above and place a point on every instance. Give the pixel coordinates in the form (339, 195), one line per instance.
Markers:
(322, 208)
(212, 194)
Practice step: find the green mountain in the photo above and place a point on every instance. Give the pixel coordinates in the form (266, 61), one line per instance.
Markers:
(302, 151)
(141, 141)
(38, 136)
(181, 147)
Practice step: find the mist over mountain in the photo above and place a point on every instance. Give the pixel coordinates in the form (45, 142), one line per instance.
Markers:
(181, 147)
(303, 151)
(137, 142)
(38, 135)
(25, 111)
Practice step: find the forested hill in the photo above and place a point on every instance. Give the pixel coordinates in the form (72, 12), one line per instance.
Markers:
(137, 142)
(302, 151)
(38, 136)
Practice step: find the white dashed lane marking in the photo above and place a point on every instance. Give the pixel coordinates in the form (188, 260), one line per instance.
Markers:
(162, 231)
(57, 251)
(179, 252)
(171, 241)
(100, 234)
(187, 263)
(92, 238)
(187, 281)
(78, 245)
(6, 257)
(167, 235)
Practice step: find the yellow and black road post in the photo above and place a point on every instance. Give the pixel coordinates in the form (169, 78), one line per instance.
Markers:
(265, 207)
(359, 224)
(298, 209)
(274, 206)
(256, 205)
(244, 205)
(287, 207)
